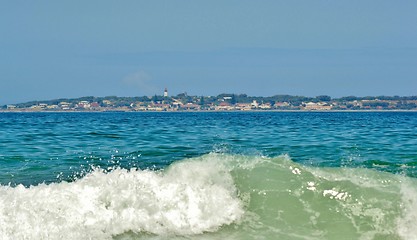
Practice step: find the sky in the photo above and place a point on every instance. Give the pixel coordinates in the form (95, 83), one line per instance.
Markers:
(67, 49)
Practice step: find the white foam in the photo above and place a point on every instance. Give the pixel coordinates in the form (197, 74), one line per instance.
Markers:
(295, 170)
(191, 197)
(407, 221)
(333, 194)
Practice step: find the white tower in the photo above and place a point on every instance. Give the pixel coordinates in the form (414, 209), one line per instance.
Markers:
(166, 93)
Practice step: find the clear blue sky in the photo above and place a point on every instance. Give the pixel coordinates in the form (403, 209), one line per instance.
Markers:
(53, 49)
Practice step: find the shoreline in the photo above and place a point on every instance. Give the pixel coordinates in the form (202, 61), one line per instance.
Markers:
(209, 111)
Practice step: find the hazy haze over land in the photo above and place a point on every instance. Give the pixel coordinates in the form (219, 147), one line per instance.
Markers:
(53, 49)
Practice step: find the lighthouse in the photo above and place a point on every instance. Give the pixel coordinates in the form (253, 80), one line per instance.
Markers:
(166, 92)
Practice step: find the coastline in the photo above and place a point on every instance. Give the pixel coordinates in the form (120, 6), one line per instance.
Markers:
(220, 103)
(206, 111)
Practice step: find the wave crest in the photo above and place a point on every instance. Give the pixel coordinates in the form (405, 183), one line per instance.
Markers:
(190, 197)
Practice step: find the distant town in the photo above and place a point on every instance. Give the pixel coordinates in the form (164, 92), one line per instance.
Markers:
(222, 102)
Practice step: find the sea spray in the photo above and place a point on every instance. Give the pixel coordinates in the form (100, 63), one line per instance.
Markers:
(191, 197)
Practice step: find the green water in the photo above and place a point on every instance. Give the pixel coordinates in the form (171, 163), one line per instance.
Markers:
(286, 200)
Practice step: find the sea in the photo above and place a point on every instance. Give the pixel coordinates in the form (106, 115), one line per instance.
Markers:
(208, 175)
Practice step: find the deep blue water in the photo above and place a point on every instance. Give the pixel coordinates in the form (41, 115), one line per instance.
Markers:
(50, 147)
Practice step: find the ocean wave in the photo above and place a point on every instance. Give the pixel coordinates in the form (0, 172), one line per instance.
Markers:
(190, 197)
(216, 196)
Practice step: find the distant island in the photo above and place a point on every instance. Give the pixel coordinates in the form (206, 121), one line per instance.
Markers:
(221, 102)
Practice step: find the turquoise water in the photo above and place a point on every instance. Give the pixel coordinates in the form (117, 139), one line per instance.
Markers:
(260, 175)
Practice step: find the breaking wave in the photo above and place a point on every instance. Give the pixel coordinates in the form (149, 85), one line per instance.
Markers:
(216, 196)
